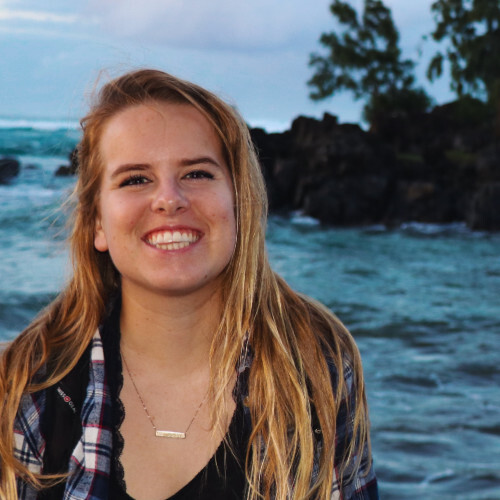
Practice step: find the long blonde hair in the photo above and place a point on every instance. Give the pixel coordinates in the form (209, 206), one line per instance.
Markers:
(291, 336)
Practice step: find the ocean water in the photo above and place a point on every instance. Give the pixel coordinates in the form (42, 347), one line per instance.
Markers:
(422, 301)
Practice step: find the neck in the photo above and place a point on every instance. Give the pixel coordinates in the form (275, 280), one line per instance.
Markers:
(171, 334)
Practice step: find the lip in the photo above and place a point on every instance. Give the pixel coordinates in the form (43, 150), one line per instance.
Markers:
(172, 237)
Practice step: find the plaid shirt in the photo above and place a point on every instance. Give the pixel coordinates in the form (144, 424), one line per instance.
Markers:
(363, 484)
(90, 462)
(89, 466)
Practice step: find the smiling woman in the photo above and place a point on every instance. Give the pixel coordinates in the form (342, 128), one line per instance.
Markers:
(176, 364)
(166, 202)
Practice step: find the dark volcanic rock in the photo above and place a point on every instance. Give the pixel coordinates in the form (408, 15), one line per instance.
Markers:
(488, 164)
(64, 171)
(71, 169)
(485, 208)
(9, 168)
(437, 167)
(349, 201)
(336, 173)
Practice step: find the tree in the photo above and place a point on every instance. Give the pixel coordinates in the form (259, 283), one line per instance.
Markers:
(472, 30)
(364, 58)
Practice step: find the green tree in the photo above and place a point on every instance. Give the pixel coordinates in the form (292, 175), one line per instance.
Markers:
(363, 57)
(471, 29)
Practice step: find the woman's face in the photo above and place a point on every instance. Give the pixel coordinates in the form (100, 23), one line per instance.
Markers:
(166, 206)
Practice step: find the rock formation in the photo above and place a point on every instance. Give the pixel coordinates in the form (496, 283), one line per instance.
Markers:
(438, 167)
(9, 168)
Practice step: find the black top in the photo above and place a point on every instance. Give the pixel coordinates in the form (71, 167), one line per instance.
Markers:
(223, 478)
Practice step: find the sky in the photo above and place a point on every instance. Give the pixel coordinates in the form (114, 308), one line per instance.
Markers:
(253, 54)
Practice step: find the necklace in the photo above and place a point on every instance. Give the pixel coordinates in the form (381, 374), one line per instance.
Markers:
(159, 432)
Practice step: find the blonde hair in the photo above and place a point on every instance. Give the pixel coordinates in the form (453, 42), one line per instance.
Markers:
(291, 336)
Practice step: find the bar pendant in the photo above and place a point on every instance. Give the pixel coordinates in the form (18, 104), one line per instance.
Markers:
(171, 434)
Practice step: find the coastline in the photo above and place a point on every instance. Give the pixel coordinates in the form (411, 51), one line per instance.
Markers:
(441, 167)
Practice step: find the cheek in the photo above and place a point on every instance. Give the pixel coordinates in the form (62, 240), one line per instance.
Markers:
(113, 222)
(228, 216)
(216, 205)
(120, 216)
(230, 223)
(223, 220)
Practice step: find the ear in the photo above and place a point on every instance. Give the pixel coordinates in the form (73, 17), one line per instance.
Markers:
(100, 241)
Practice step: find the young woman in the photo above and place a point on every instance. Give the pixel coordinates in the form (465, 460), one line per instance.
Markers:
(176, 364)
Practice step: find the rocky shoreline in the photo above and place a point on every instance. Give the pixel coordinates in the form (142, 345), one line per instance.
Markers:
(438, 167)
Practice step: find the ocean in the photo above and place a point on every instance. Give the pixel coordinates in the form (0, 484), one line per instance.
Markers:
(422, 301)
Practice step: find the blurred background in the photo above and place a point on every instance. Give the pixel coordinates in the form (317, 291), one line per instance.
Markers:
(254, 54)
(377, 128)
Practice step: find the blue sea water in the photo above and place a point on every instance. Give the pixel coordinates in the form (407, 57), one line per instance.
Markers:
(422, 302)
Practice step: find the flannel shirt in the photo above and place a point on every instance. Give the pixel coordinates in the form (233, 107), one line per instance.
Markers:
(90, 462)
(89, 466)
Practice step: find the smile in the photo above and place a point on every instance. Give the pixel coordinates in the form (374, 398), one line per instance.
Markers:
(172, 240)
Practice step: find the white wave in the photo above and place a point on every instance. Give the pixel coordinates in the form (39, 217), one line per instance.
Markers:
(45, 125)
(298, 217)
(24, 191)
(426, 228)
(438, 476)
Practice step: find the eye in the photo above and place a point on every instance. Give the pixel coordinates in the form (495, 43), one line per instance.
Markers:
(134, 180)
(199, 174)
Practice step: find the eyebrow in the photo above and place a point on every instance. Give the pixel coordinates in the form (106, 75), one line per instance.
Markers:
(184, 162)
(128, 167)
(188, 162)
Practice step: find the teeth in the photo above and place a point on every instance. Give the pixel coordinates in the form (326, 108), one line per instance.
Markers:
(173, 240)
(172, 246)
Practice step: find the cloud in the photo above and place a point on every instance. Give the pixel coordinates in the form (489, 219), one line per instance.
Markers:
(216, 24)
(35, 16)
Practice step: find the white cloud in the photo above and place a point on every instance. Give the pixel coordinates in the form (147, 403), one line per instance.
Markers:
(35, 16)
(220, 24)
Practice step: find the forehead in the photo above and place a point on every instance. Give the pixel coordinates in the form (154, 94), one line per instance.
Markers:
(155, 126)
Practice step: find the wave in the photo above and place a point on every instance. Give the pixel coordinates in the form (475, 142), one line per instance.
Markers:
(33, 192)
(44, 125)
(432, 229)
(18, 310)
(300, 218)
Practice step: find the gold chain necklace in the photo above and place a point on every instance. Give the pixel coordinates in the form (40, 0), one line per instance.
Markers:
(158, 432)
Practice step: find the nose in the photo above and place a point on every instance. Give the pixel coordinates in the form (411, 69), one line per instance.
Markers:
(169, 198)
